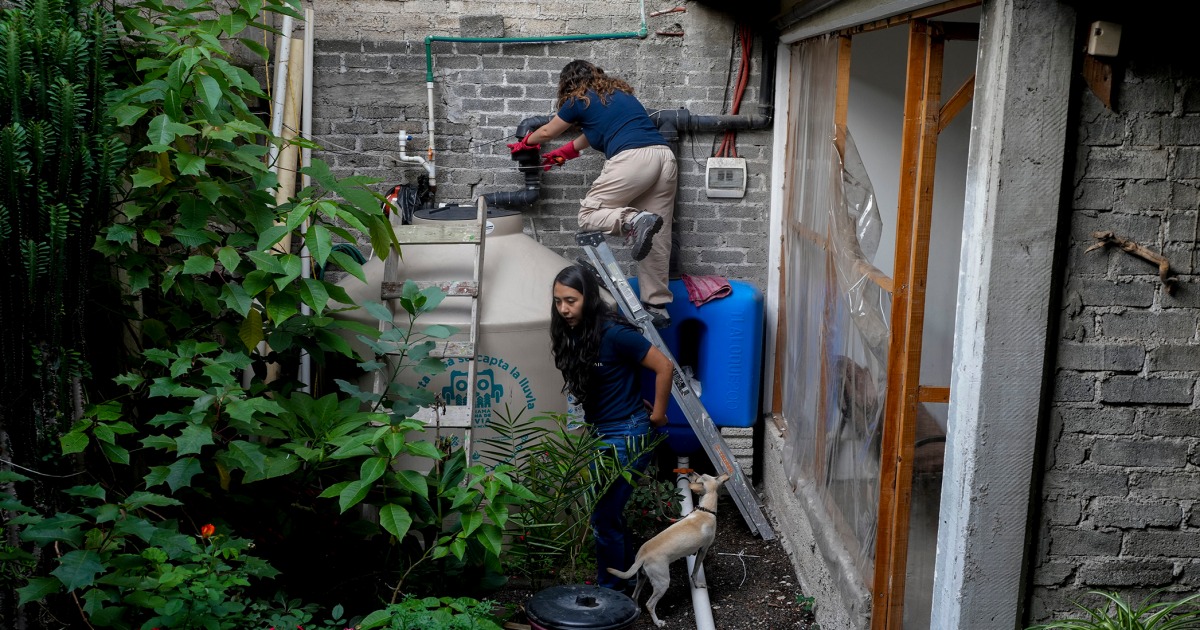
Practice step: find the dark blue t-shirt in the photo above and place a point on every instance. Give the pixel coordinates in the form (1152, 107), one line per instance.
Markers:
(612, 128)
(614, 391)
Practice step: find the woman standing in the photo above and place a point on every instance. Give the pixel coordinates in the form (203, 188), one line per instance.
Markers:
(635, 192)
(600, 356)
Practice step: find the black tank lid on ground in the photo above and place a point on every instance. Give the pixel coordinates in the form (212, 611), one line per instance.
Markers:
(581, 607)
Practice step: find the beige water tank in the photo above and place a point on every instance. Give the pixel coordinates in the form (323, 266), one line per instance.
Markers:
(515, 367)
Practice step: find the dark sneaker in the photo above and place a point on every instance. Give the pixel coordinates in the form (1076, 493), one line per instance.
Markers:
(640, 231)
(658, 316)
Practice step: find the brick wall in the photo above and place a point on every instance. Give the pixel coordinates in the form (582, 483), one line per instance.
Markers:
(370, 82)
(1121, 493)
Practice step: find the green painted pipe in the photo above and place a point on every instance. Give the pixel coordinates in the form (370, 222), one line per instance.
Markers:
(638, 34)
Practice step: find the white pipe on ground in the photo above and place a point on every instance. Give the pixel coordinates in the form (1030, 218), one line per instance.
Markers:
(306, 160)
(701, 606)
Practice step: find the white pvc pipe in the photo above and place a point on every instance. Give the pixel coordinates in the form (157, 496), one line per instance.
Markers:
(432, 163)
(306, 160)
(283, 51)
(415, 159)
(701, 606)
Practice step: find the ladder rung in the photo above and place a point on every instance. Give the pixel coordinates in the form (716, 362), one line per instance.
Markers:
(453, 350)
(452, 288)
(454, 417)
(450, 350)
(432, 234)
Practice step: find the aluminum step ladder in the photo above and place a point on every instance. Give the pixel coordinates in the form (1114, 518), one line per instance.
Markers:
(459, 411)
(601, 258)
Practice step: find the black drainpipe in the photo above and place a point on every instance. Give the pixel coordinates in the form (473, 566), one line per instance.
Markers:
(671, 123)
(529, 162)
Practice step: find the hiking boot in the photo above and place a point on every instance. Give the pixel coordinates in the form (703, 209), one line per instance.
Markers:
(658, 316)
(640, 231)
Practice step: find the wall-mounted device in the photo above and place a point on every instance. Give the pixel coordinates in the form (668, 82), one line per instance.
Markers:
(1104, 39)
(725, 177)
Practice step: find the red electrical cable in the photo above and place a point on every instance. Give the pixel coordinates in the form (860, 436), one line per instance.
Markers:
(729, 141)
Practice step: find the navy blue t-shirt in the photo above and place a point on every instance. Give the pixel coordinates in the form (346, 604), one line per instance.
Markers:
(612, 128)
(614, 391)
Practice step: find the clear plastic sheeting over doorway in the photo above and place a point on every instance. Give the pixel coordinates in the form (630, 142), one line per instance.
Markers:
(834, 373)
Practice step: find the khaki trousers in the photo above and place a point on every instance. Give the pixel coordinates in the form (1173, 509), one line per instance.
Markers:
(632, 181)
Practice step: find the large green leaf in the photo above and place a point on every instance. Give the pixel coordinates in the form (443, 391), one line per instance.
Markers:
(193, 439)
(353, 494)
(77, 569)
(395, 519)
(163, 131)
(37, 589)
(372, 469)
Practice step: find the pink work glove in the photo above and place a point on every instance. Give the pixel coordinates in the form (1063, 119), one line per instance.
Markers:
(521, 145)
(560, 155)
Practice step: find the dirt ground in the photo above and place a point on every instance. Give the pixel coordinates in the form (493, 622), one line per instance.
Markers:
(751, 584)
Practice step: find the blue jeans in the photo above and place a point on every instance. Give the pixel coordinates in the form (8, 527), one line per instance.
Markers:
(621, 438)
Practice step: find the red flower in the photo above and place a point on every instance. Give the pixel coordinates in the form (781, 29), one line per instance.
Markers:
(207, 530)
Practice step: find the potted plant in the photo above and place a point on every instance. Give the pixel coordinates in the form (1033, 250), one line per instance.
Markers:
(1118, 614)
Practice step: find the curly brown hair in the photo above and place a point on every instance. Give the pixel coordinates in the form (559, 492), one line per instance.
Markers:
(579, 76)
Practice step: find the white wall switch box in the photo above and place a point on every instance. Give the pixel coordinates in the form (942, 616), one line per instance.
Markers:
(725, 177)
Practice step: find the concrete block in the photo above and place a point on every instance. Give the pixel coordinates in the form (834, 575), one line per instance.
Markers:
(1150, 544)
(1139, 195)
(1101, 357)
(1071, 450)
(1121, 163)
(1139, 453)
(1173, 357)
(1105, 292)
(1141, 228)
(1170, 422)
(1186, 164)
(1164, 485)
(1148, 97)
(1129, 513)
(1061, 510)
(1096, 420)
(1181, 226)
(1074, 387)
(1053, 573)
(481, 26)
(1071, 541)
(1086, 484)
(1135, 390)
(1141, 325)
(1126, 572)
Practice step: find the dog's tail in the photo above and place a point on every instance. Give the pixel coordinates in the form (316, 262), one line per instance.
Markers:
(625, 575)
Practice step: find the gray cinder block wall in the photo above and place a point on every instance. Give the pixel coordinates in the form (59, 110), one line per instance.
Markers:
(370, 83)
(1121, 492)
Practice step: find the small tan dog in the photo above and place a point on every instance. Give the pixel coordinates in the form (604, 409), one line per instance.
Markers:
(692, 534)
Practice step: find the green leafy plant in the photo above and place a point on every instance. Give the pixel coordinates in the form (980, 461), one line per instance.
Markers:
(550, 537)
(1117, 614)
(655, 504)
(421, 613)
(59, 158)
(198, 431)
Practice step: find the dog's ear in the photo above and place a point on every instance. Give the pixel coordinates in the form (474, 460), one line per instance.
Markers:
(723, 478)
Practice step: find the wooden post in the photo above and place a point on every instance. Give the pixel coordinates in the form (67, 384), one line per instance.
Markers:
(918, 153)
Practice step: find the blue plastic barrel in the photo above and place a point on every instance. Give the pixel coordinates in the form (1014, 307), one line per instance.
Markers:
(721, 341)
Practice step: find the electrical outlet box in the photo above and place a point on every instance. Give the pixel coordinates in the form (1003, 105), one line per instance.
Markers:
(725, 177)
(1104, 39)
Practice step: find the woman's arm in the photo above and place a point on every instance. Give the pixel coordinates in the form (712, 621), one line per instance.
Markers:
(549, 131)
(658, 362)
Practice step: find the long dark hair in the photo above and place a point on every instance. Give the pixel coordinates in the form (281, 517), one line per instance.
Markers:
(579, 76)
(576, 349)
